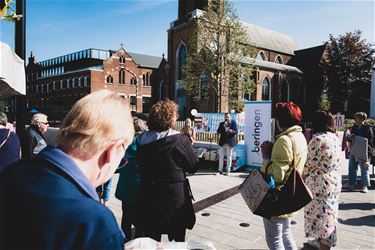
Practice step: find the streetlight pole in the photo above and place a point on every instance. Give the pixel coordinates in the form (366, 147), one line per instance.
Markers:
(20, 49)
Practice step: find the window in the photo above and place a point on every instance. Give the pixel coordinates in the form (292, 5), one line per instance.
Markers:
(285, 91)
(75, 83)
(85, 82)
(146, 101)
(109, 79)
(121, 79)
(122, 59)
(181, 59)
(65, 84)
(279, 60)
(203, 87)
(266, 89)
(133, 81)
(146, 79)
(133, 100)
(261, 56)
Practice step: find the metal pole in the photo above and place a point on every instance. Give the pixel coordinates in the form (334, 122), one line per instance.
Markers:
(20, 49)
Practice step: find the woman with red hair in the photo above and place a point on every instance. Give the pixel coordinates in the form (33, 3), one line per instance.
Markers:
(278, 161)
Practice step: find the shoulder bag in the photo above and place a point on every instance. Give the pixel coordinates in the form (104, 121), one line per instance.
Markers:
(290, 197)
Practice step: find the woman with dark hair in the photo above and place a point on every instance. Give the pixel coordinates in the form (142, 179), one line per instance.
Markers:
(278, 161)
(323, 177)
(165, 155)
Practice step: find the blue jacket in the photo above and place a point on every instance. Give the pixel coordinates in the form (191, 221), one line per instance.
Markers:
(228, 136)
(129, 179)
(34, 144)
(47, 203)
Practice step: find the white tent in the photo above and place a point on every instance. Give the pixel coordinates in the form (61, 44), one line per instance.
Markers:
(12, 72)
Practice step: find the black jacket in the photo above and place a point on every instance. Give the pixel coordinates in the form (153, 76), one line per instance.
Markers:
(228, 136)
(164, 199)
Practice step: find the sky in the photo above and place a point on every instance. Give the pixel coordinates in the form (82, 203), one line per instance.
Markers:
(60, 27)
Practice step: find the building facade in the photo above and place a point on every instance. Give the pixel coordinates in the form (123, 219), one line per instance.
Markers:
(54, 85)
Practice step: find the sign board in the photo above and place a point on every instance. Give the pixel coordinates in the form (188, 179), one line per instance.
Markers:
(257, 130)
(339, 120)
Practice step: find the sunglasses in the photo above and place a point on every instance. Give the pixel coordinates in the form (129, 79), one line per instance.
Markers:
(45, 123)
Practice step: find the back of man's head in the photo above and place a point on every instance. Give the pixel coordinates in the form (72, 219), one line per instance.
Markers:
(94, 122)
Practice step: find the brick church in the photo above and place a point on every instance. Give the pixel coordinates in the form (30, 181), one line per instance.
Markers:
(283, 72)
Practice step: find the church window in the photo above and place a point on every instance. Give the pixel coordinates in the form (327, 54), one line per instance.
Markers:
(261, 56)
(279, 60)
(266, 89)
(121, 76)
(181, 59)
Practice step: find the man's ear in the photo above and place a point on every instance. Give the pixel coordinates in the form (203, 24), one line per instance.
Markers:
(105, 156)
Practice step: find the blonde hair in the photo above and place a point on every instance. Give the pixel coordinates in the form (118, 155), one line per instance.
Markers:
(188, 121)
(94, 122)
(360, 115)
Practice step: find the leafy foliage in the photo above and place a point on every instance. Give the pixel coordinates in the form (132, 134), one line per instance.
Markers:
(347, 72)
(218, 48)
(7, 11)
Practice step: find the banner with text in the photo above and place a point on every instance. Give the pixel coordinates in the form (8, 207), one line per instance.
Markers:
(257, 130)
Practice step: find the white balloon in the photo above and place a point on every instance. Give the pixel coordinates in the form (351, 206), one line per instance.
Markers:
(193, 112)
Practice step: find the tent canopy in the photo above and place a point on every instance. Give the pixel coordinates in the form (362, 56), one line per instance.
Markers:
(12, 72)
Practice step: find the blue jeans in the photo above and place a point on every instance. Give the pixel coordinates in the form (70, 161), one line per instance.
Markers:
(278, 234)
(105, 189)
(365, 174)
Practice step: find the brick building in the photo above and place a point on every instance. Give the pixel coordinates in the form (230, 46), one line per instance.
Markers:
(54, 85)
(277, 76)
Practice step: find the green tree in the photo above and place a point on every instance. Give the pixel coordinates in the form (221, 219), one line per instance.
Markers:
(218, 63)
(347, 72)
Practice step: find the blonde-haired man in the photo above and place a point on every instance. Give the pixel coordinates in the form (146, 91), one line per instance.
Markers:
(50, 202)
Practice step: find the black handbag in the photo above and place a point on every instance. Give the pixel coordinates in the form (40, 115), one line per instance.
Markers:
(290, 197)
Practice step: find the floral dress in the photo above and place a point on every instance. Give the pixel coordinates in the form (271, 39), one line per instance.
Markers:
(322, 176)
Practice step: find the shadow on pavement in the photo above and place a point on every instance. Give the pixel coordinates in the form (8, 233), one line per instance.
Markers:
(359, 206)
(368, 220)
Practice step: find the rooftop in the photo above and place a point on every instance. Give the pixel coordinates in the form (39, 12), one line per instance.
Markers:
(269, 39)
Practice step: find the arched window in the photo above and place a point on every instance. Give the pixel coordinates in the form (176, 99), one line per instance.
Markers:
(144, 79)
(109, 79)
(266, 89)
(261, 56)
(121, 79)
(122, 59)
(133, 81)
(181, 59)
(279, 59)
(285, 91)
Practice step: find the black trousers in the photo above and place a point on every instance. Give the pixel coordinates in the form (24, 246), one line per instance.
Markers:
(129, 218)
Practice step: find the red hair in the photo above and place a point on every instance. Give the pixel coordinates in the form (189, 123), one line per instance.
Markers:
(288, 114)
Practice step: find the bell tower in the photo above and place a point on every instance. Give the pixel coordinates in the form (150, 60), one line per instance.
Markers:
(187, 6)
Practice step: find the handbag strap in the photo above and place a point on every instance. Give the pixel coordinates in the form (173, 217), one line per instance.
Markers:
(294, 162)
(2, 144)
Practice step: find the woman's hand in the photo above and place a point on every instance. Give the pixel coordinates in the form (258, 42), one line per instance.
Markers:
(266, 149)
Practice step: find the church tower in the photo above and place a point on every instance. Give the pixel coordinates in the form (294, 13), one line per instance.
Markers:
(178, 38)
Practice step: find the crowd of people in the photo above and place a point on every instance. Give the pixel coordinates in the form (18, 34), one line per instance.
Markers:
(57, 193)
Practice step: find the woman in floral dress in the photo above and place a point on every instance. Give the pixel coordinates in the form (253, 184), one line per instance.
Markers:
(322, 176)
